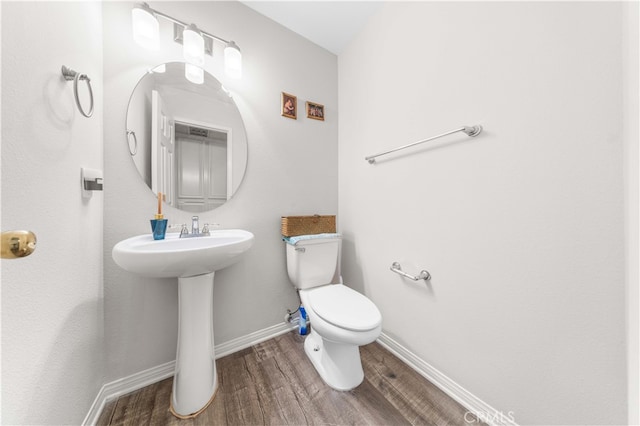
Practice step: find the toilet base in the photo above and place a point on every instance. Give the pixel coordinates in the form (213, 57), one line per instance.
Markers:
(338, 364)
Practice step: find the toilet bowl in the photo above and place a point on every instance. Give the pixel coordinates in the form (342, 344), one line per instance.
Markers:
(341, 318)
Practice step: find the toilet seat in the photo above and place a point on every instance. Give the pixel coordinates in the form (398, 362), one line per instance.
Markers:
(343, 307)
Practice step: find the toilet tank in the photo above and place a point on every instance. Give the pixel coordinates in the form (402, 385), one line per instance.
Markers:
(314, 262)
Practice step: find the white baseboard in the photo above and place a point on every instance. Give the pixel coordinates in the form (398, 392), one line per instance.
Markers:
(113, 390)
(479, 409)
(125, 385)
(249, 340)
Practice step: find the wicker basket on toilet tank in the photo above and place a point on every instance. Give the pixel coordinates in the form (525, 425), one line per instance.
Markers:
(292, 226)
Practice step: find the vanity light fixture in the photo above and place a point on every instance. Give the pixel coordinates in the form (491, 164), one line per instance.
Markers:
(232, 60)
(193, 73)
(146, 29)
(193, 45)
(195, 41)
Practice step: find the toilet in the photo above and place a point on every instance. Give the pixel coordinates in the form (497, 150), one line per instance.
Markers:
(341, 318)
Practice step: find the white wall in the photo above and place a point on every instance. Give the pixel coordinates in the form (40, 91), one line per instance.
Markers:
(52, 321)
(521, 227)
(292, 169)
(631, 90)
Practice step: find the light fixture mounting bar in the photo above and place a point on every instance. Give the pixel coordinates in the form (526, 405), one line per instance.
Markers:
(178, 29)
(184, 25)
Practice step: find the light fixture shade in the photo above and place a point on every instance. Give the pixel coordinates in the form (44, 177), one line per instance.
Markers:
(233, 60)
(145, 26)
(193, 45)
(194, 73)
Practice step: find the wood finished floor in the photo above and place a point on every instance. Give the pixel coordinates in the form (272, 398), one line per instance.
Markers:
(273, 383)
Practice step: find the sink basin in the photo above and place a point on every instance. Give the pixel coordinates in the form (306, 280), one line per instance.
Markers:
(193, 261)
(181, 257)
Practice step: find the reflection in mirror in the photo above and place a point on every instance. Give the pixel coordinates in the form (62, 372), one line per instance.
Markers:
(191, 141)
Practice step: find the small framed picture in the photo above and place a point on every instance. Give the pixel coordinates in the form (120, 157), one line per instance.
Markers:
(315, 111)
(289, 107)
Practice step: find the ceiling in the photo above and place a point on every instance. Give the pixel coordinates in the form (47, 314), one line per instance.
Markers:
(329, 24)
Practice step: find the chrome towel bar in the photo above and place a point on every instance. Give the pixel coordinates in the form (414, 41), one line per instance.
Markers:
(470, 131)
(424, 275)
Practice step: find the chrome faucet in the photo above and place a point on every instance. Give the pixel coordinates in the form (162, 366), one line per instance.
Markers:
(195, 226)
(195, 229)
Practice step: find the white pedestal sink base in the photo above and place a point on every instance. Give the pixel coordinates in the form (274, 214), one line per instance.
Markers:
(195, 381)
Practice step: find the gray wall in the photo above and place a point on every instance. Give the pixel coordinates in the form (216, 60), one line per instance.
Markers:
(292, 169)
(522, 227)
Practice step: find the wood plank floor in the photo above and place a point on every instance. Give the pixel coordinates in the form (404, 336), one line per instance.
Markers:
(273, 383)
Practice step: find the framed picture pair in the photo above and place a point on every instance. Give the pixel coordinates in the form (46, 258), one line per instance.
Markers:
(289, 108)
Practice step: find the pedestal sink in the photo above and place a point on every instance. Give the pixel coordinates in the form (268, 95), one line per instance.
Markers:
(194, 262)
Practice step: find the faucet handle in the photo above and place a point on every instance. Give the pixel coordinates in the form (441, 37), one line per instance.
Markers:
(182, 226)
(205, 228)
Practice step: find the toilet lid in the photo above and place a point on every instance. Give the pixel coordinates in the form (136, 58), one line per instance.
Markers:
(343, 307)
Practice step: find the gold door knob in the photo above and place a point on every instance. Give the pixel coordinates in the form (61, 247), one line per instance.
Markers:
(17, 244)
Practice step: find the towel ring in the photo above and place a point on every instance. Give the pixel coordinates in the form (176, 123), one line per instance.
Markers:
(69, 75)
(135, 142)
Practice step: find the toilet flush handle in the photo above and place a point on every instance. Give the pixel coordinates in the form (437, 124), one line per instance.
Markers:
(301, 249)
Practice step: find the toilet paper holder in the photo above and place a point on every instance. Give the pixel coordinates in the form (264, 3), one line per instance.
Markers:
(424, 274)
(90, 180)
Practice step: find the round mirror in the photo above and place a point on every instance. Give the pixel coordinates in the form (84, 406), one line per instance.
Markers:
(186, 137)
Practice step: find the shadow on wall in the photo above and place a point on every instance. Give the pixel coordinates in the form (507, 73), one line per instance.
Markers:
(350, 264)
(64, 369)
